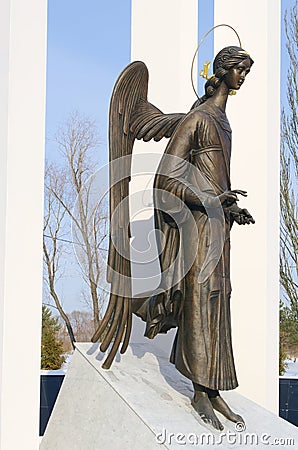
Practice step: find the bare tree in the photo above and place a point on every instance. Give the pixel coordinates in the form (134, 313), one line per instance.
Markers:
(288, 188)
(78, 199)
(52, 246)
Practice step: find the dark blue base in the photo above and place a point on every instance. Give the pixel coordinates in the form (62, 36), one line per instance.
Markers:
(49, 388)
(288, 399)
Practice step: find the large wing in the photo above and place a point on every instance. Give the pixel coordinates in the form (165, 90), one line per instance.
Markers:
(148, 122)
(131, 117)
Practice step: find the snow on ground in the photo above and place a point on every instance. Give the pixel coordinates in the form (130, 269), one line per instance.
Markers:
(292, 369)
(63, 369)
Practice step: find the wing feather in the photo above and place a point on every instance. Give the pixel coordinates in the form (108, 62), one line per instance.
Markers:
(149, 122)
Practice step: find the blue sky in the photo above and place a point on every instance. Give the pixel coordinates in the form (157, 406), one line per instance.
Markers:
(88, 46)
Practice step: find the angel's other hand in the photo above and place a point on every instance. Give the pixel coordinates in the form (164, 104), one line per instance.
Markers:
(228, 198)
(242, 216)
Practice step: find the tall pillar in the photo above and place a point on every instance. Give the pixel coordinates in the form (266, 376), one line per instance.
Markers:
(254, 117)
(22, 119)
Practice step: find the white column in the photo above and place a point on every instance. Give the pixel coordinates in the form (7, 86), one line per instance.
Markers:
(22, 119)
(254, 119)
(164, 37)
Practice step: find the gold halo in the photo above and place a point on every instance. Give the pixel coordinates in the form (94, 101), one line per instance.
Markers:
(201, 42)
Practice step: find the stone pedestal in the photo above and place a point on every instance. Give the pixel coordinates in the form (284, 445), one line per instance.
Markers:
(143, 402)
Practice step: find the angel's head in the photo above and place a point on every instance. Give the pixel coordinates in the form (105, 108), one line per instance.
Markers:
(231, 65)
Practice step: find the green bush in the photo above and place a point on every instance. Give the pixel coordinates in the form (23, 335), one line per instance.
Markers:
(51, 346)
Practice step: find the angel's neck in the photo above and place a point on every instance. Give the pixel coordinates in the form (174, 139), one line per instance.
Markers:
(220, 97)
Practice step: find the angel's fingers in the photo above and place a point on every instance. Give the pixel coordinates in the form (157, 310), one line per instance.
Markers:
(248, 216)
(231, 194)
(246, 213)
(249, 219)
(239, 191)
(232, 197)
(228, 197)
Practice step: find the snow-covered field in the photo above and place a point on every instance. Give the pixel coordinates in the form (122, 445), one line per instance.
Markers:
(292, 370)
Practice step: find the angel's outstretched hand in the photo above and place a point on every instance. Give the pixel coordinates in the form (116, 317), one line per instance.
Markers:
(241, 215)
(229, 198)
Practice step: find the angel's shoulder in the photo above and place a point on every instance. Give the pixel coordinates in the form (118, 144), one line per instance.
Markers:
(198, 118)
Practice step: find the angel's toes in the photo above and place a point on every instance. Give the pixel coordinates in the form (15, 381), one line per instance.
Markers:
(217, 424)
(239, 418)
(204, 418)
(212, 420)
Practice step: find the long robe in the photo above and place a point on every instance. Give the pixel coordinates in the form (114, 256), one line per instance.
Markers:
(195, 289)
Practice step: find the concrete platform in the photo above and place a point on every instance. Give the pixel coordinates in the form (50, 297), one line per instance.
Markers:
(143, 402)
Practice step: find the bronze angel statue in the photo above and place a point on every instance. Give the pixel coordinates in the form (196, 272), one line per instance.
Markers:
(199, 148)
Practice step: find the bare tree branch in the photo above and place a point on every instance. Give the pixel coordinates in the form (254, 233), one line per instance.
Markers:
(288, 190)
(77, 140)
(53, 224)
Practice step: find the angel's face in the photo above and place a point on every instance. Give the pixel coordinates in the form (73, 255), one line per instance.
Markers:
(236, 75)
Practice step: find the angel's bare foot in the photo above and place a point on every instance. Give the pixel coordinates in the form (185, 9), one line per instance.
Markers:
(203, 407)
(221, 406)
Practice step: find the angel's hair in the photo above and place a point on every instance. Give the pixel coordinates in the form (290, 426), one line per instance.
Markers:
(225, 60)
